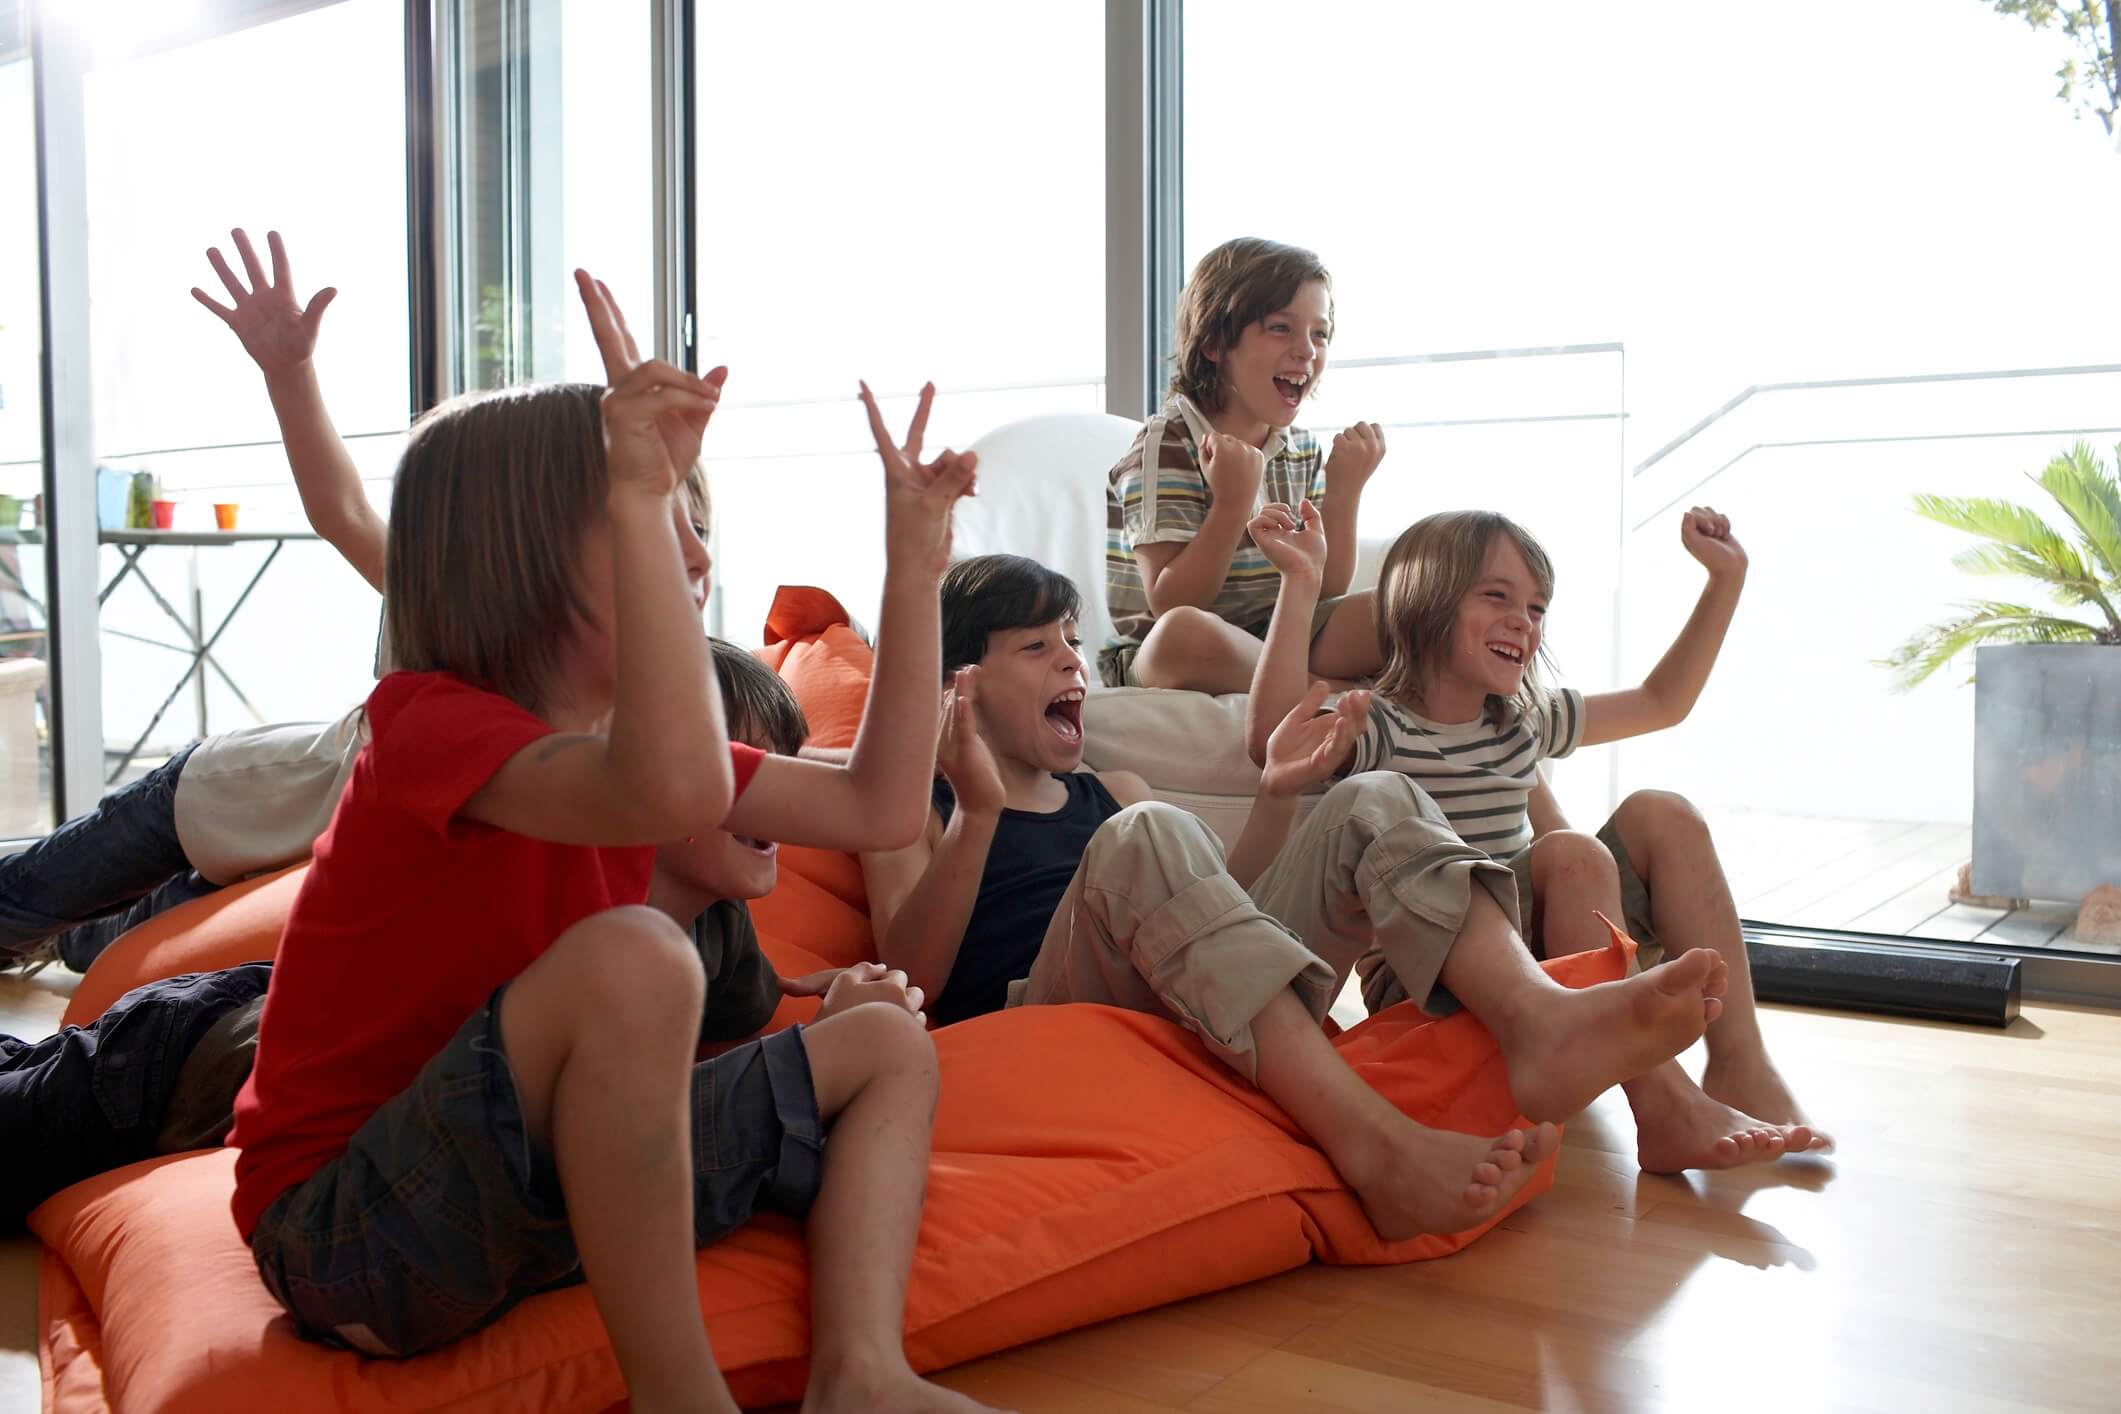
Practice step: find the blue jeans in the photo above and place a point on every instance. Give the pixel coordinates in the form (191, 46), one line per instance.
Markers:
(100, 873)
(94, 1097)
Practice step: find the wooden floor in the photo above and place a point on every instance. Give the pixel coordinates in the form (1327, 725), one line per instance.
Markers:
(1962, 1250)
(1870, 876)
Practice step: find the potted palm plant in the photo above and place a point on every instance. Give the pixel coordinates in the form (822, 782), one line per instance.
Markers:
(2047, 703)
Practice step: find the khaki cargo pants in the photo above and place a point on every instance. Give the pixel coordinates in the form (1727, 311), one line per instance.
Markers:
(1153, 922)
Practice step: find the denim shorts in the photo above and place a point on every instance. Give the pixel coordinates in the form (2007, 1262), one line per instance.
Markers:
(442, 1214)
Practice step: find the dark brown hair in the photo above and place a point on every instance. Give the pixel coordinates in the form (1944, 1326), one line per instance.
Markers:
(1236, 285)
(486, 520)
(1433, 564)
(756, 704)
(990, 594)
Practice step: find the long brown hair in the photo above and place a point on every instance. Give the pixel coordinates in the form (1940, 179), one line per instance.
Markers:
(1433, 564)
(1236, 285)
(492, 495)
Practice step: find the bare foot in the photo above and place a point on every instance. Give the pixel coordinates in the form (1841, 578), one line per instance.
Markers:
(883, 1390)
(1416, 1179)
(1756, 1087)
(1568, 1046)
(1677, 1127)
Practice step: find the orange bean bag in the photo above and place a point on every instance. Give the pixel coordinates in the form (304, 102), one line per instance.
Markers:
(1049, 1206)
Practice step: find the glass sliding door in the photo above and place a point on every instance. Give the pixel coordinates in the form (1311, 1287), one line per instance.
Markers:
(546, 118)
(26, 723)
(896, 193)
(265, 119)
(1834, 281)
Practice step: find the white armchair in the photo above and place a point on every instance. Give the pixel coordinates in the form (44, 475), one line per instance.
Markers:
(1042, 494)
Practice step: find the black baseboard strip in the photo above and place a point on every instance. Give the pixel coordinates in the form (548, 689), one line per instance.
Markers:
(2062, 973)
(1897, 979)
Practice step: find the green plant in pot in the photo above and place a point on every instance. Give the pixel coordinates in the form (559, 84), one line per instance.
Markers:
(2047, 707)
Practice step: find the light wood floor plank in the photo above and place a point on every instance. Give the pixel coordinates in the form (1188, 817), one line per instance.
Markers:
(1905, 913)
(1856, 867)
(1874, 878)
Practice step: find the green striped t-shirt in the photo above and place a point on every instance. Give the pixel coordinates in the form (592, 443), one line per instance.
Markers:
(1158, 492)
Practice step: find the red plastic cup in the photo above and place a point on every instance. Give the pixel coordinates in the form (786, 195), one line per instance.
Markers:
(225, 514)
(165, 512)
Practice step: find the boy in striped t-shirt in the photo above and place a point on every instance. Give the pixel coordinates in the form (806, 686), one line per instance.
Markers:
(1459, 711)
(1189, 592)
(1480, 773)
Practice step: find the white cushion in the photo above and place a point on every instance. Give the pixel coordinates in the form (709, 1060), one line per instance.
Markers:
(1185, 741)
(1188, 746)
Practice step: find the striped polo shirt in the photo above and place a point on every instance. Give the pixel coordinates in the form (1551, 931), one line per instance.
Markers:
(1480, 774)
(1158, 492)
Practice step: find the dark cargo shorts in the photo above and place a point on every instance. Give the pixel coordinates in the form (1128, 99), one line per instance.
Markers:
(442, 1214)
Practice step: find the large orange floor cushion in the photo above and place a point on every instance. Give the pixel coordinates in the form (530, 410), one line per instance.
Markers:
(1050, 1206)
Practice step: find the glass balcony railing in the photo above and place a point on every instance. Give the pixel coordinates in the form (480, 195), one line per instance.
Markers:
(1838, 800)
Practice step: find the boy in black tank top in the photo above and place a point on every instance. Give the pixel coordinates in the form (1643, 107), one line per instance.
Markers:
(1037, 882)
(1031, 858)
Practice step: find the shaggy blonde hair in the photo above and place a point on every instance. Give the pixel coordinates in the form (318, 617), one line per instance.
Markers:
(1431, 567)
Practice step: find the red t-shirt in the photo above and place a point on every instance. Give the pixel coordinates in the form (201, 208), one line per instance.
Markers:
(407, 921)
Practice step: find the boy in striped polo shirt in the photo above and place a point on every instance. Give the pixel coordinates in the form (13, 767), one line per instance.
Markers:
(1189, 592)
(1459, 711)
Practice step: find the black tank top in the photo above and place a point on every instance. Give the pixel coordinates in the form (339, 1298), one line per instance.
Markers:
(1029, 866)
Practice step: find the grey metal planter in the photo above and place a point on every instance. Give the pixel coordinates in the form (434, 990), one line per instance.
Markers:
(2047, 769)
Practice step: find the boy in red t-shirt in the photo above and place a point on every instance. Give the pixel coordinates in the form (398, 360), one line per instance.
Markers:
(194, 1036)
(409, 1174)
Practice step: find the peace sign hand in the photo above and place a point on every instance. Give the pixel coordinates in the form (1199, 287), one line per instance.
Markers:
(654, 412)
(682, 425)
(918, 496)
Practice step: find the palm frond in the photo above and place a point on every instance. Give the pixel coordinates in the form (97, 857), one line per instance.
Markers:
(2010, 524)
(2084, 489)
(2009, 559)
(1982, 622)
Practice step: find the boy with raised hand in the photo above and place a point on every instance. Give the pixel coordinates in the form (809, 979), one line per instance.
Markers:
(1040, 883)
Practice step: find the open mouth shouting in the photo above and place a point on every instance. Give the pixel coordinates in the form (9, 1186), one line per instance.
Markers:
(1291, 387)
(1064, 714)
